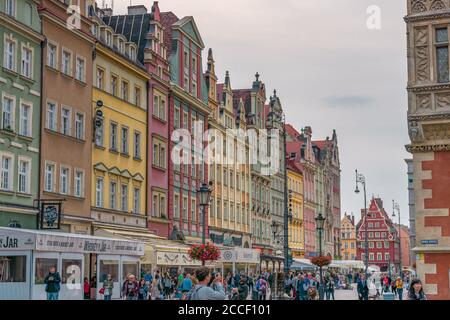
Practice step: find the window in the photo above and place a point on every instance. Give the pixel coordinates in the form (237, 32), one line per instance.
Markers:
(352, 245)
(162, 109)
(136, 200)
(185, 208)
(113, 195)
(371, 256)
(64, 180)
(176, 206)
(99, 192)
(442, 55)
(100, 79)
(379, 256)
(177, 118)
(11, 7)
(387, 256)
(52, 55)
(9, 61)
(49, 177)
(6, 178)
(66, 63)
(159, 153)
(124, 147)
(79, 126)
(193, 210)
(132, 53)
(26, 65)
(78, 184)
(159, 204)
(8, 105)
(99, 134)
(124, 90)
(159, 107)
(24, 176)
(124, 198)
(137, 96)
(108, 39)
(386, 245)
(185, 120)
(65, 121)
(113, 85)
(51, 116)
(113, 136)
(155, 205)
(379, 245)
(25, 120)
(14, 268)
(80, 70)
(137, 145)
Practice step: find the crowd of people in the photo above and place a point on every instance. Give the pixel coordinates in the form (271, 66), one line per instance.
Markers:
(206, 285)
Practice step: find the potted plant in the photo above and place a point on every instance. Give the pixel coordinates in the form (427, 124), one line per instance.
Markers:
(204, 252)
(321, 261)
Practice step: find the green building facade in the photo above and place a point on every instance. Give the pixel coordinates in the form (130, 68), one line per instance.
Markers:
(20, 94)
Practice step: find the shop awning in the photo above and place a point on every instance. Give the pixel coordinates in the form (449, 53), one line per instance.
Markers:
(302, 264)
(39, 240)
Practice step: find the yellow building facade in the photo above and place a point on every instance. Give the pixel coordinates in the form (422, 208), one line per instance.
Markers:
(296, 205)
(348, 237)
(119, 153)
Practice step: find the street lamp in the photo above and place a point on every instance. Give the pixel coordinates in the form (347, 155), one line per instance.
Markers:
(396, 206)
(204, 195)
(361, 179)
(320, 220)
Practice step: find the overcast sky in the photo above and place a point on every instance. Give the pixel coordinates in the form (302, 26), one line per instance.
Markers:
(330, 71)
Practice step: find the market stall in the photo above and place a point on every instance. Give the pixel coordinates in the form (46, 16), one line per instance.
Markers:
(27, 255)
(239, 260)
(302, 265)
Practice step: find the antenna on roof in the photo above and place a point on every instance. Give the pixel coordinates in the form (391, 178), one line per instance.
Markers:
(112, 5)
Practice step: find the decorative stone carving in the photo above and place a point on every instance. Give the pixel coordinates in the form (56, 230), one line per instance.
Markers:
(418, 7)
(422, 64)
(423, 103)
(428, 148)
(437, 5)
(415, 132)
(421, 36)
(443, 101)
(438, 131)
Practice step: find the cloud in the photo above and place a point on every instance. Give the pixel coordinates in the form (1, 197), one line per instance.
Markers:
(348, 101)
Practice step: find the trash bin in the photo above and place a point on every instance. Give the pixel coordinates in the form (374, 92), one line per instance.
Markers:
(388, 296)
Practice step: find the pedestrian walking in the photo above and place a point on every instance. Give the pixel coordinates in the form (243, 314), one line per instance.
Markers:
(130, 288)
(52, 284)
(186, 286)
(399, 288)
(362, 288)
(108, 287)
(86, 289)
(302, 288)
(156, 288)
(329, 288)
(143, 290)
(261, 287)
(167, 284)
(416, 291)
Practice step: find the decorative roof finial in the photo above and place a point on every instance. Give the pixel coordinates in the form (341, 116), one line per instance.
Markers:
(257, 76)
(210, 54)
(227, 78)
(274, 93)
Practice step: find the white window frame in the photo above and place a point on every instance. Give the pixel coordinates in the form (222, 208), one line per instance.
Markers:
(82, 134)
(26, 66)
(124, 139)
(53, 177)
(176, 206)
(10, 38)
(100, 81)
(137, 145)
(10, 7)
(82, 77)
(51, 126)
(136, 200)
(185, 209)
(67, 184)
(69, 122)
(27, 160)
(124, 204)
(29, 128)
(76, 193)
(63, 65)
(113, 196)
(12, 115)
(10, 175)
(52, 62)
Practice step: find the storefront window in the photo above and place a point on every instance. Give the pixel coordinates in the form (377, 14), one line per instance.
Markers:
(43, 266)
(71, 271)
(13, 268)
(109, 267)
(130, 267)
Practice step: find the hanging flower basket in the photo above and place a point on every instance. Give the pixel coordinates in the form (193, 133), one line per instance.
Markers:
(204, 252)
(321, 261)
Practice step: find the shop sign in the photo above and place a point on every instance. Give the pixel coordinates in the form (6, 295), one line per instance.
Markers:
(46, 242)
(167, 258)
(10, 241)
(239, 255)
(429, 242)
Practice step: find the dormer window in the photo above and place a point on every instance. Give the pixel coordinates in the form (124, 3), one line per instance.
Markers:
(132, 53)
(11, 7)
(121, 46)
(94, 30)
(108, 38)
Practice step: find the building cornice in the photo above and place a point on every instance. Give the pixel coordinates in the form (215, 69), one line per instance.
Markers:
(427, 148)
(20, 27)
(428, 88)
(429, 117)
(428, 16)
(196, 103)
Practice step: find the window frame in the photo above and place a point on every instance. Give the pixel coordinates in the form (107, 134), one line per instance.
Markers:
(70, 52)
(27, 174)
(29, 128)
(10, 172)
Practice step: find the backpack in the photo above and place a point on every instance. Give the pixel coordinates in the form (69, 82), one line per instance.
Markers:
(193, 294)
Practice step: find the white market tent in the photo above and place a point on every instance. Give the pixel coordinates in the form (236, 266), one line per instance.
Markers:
(347, 264)
(302, 264)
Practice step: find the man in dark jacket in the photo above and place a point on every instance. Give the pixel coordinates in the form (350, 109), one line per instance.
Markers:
(363, 289)
(52, 284)
(302, 288)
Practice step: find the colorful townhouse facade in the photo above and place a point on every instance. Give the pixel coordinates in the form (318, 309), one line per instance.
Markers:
(229, 169)
(66, 127)
(20, 94)
(383, 241)
(119, 158)
(428, 126)
(348, 236)
(296, 206)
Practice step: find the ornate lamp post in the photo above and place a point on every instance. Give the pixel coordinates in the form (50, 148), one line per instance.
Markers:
(361, 179)
(204, 196)
(396, 206)
(320, 220)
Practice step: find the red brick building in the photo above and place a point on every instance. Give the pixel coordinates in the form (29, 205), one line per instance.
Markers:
(382, 237)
